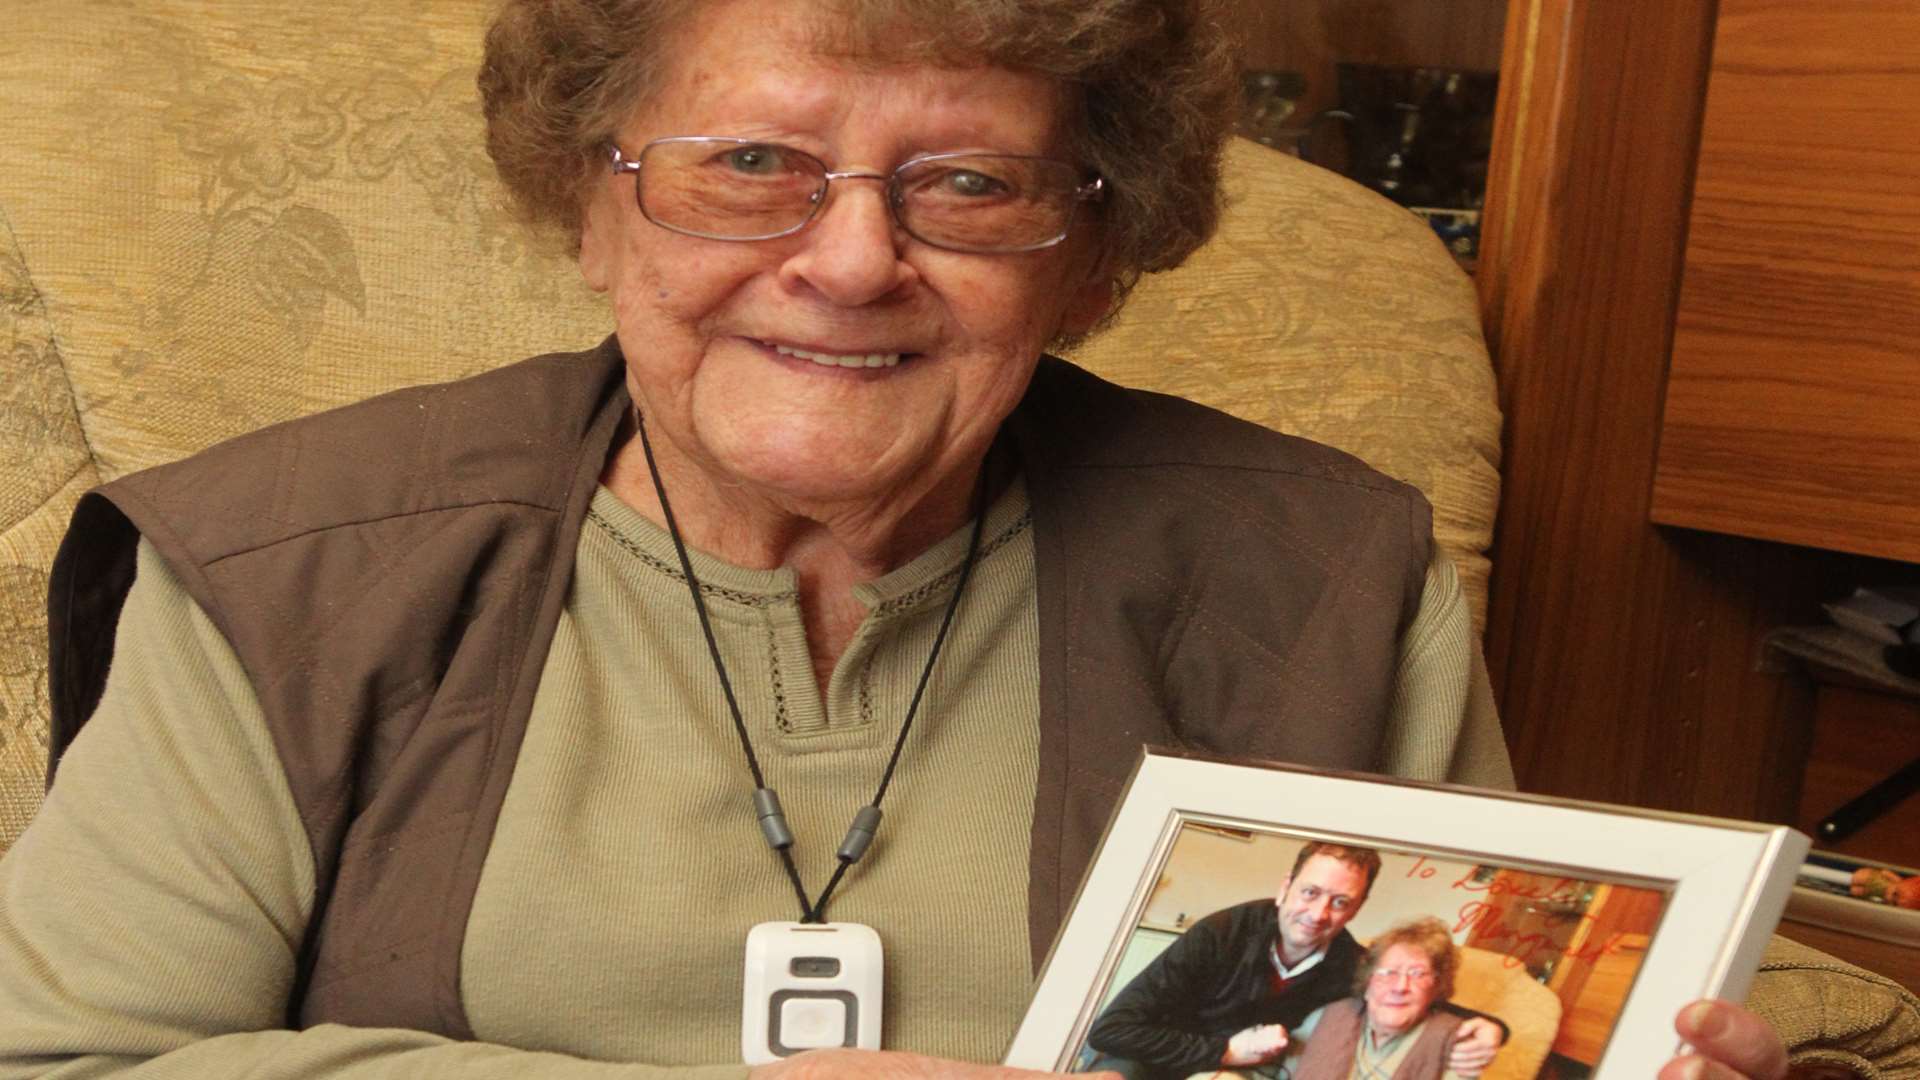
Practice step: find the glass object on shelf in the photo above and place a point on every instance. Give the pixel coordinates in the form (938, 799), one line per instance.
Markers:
(1269, 100)
(1421, 136)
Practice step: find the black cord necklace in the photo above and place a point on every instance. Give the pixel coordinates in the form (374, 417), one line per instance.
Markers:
(766, 804)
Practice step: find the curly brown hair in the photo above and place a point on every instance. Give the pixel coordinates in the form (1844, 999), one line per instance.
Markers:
(1152, 83)
(1430, 936)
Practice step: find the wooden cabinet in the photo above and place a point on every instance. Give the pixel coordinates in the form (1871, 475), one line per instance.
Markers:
(1625, 654)
(1793, 395)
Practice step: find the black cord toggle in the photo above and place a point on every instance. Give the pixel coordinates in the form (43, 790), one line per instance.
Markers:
(773, 822)
(866, 822)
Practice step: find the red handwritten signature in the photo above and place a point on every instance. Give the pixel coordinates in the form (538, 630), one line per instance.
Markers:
(1483, 921)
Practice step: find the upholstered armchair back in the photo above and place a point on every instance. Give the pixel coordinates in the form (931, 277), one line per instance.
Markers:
(218, 215)
(1492, 983)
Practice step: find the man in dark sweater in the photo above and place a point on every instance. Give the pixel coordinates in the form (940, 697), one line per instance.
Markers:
(1229, 990)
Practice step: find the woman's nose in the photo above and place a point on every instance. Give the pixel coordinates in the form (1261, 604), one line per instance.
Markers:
(850, 253)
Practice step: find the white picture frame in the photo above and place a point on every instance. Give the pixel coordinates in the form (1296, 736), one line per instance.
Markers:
(1721, 885)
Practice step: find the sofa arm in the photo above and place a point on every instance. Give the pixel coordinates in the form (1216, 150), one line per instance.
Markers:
(1833, 1015)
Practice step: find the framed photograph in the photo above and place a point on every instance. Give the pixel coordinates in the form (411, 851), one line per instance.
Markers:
(1279, 923)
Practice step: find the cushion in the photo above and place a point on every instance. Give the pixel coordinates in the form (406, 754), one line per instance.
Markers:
(1321, 309)
(1835, 1016)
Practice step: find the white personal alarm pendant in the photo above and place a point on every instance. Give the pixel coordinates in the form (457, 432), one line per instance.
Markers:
(810, 986)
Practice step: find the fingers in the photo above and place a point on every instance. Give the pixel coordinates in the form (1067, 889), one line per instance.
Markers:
(1468, 1059)
(1473, 1049)
(1256, 1045)
(1728, 1043)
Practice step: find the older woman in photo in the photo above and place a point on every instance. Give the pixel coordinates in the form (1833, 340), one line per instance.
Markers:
(1390, 1031)
(471, 730)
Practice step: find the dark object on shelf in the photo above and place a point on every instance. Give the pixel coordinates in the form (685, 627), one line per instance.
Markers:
(1871, 803)
(1889, 616)
(1845, 654)
(1904, 660)
(1458, 229)
(1268, 101)
(1838, 655)
(1421, 136)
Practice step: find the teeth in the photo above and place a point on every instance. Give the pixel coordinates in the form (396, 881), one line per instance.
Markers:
(830, 360)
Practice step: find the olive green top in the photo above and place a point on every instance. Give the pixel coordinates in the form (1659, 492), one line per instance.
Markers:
(150, 916)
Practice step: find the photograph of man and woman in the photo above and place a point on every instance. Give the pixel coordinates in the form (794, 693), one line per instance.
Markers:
(1260, 954)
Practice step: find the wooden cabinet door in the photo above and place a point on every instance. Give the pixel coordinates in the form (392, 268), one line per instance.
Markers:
(1793, 399)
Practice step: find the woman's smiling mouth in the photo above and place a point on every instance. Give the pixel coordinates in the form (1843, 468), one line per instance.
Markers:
(847, 360)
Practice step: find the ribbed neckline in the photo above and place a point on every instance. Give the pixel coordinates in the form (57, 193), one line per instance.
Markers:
(919, 583)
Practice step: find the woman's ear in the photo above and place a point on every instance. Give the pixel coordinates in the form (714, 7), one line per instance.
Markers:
(1088, 305)
(1090, 300)
(599, 232)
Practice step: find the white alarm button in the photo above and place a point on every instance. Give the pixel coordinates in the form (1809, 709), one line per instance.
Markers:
(811, 1023)
(809, 986)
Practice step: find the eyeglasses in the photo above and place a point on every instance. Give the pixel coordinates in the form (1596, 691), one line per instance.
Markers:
(737, 189)
(1416, 975)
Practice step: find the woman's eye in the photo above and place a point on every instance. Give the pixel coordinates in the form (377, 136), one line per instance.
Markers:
(754, 160)
(973, 184)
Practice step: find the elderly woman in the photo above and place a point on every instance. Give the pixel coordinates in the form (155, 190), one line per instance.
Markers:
(1389, 1030)
(429, 737)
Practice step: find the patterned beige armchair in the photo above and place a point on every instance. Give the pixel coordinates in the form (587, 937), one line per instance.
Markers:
(214, 216)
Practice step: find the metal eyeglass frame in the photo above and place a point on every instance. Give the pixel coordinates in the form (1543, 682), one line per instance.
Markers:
(1090, 191)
